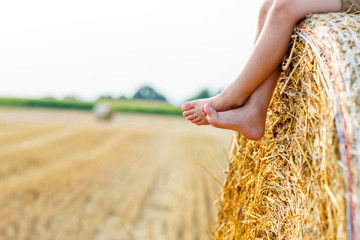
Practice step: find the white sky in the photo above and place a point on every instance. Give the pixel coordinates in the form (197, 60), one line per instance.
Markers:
(88, 48)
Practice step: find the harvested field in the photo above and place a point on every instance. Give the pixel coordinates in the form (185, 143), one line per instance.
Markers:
(65, 175)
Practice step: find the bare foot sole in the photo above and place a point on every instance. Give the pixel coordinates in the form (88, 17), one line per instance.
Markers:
(248, 121)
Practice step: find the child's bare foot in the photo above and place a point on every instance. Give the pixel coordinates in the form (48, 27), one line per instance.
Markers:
(249, 121)
(222, 102)
(198, 119)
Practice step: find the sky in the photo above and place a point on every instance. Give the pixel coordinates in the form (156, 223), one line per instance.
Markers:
(90, 48)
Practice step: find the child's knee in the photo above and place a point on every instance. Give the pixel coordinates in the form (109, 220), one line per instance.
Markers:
(265, 7)
(287, 9)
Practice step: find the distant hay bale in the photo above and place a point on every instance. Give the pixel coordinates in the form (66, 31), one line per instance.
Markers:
(301, 181)
(103, 111)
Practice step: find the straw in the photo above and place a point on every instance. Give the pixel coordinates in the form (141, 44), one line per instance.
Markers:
(302, 181)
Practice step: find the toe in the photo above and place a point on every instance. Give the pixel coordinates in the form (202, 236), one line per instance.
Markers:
(188, 113)
(211, 115)
(208, 110)
(202, 109)
(195, 120)
(202, 122)
(187, 106)
(191, 117)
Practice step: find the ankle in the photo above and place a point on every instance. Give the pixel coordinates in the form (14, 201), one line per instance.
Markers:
(232, 98)
(256, 110)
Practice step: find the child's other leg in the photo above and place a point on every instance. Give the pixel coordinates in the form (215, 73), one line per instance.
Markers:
(266, 55)
(199, 119)
(250, 119)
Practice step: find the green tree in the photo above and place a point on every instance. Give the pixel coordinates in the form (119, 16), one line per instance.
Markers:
(204, 93)
(148, 93)
(72, 98)
(122, 97)
(106, 97)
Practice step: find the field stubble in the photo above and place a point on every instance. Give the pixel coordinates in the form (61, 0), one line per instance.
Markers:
(64, 175)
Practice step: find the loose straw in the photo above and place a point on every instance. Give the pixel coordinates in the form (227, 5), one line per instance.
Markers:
(302, 180)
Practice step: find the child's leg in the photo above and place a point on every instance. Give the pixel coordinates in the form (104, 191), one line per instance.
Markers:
(248, 120)
(266, 55)
(264, 9)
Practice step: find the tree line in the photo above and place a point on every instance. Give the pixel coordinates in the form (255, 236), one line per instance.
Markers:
(150, 94)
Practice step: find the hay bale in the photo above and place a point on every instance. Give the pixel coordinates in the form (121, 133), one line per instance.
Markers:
(103, 111)
(301, 181)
